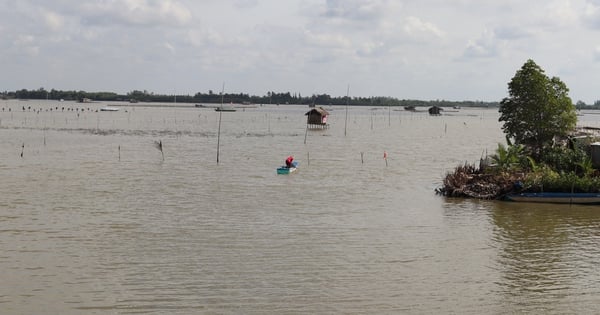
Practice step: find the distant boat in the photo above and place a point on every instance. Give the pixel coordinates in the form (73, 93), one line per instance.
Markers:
(410, 108)
(555, 197)
(225, 109)
(109, 109)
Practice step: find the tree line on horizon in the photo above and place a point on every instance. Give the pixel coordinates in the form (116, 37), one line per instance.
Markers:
(243, 98)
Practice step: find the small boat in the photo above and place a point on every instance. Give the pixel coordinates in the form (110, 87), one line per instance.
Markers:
(555, 197)
(109, 109)
(225, 109)
(288, 170)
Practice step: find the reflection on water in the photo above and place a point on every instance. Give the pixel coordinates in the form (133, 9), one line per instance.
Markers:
(93, 220)
(547, 255)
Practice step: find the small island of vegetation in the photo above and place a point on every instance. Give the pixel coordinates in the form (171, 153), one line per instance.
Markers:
(545, 151)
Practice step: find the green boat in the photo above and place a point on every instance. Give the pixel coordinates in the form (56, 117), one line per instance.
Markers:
(288, 170)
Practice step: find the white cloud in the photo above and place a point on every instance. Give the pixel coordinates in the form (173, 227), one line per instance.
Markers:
(511, 32)
(27, 44)
(169, 47)
(597, 54)
(135, 12)
(591, 15)
(371, 49)
(380, 47)
(24, 40)
(245, 4)
(53, 20)
(486, 46)
(558, 15)
(355, 9)
(336, 41)
(415, 27)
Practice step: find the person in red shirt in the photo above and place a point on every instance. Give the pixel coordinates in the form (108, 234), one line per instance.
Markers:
(288, 161)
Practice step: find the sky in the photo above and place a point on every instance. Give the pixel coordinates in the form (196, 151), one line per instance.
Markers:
(427, 50)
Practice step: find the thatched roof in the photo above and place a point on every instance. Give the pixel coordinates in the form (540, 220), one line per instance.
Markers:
(318, 110)
(435, 110)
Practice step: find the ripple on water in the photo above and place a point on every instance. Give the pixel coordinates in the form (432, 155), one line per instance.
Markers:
(92, 219)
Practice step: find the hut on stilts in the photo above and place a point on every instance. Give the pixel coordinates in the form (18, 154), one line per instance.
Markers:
(435, 110)
(317, 118)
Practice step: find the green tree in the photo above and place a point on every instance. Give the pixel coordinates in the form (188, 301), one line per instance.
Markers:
(538, 109)
(508, 157)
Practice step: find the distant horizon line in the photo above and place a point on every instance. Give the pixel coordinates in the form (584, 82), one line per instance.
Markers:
(293, 95)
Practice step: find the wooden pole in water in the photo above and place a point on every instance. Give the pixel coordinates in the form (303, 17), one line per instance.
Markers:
(306, 131)
(159, 146)
(346, 121)
(389, 115)
(219, 130)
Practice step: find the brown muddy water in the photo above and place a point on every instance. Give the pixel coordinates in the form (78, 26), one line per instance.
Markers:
(94, 221)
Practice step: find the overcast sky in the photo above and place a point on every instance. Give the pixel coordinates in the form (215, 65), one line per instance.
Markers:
(426, 49)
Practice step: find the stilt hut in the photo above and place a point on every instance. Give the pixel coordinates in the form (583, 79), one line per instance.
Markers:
(317, 118)
(435, 110)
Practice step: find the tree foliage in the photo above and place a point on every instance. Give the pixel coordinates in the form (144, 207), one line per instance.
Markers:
(212, 97)
(538, 108)
(509, 157)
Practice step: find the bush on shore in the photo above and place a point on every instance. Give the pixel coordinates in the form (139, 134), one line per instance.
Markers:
(560, 169)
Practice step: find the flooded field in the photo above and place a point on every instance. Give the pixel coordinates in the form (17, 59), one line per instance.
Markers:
(95, 220)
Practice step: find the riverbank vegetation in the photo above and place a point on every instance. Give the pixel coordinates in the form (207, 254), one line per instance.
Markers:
(238, 98)
(281, 98)
(544, 151)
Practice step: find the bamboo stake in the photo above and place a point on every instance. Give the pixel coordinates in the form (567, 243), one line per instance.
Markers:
(346, 121)
(159, 146)
(306, 130)
(220, 115)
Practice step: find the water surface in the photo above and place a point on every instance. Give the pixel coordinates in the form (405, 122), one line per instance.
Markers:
(94, 221)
